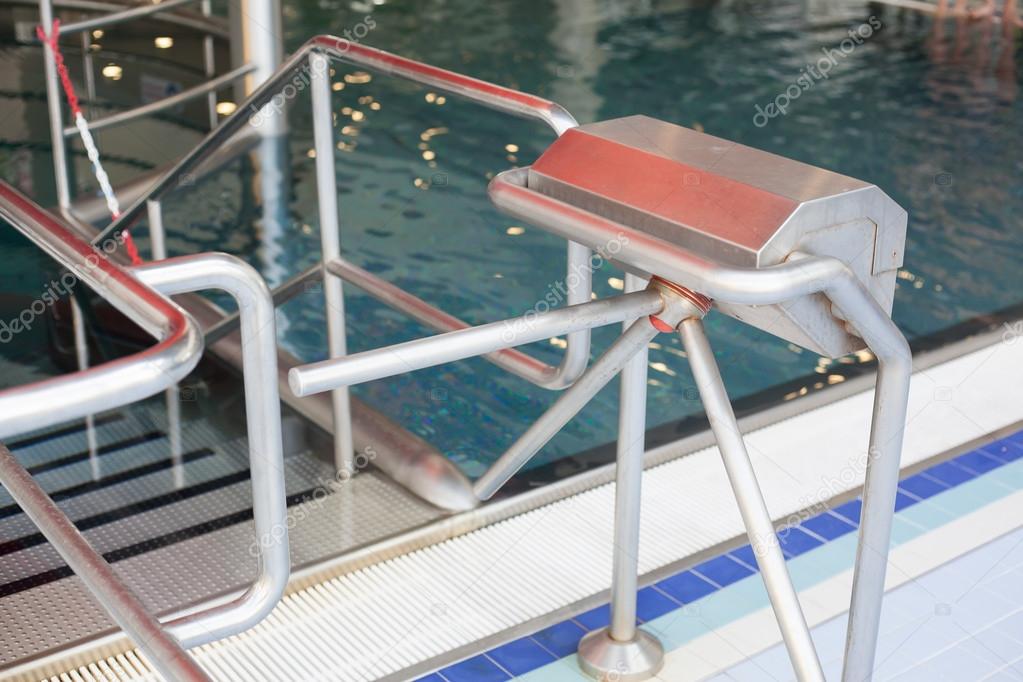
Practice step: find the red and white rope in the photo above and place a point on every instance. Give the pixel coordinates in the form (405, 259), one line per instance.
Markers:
(87, 140)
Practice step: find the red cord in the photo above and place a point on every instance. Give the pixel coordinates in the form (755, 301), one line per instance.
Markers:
(132, 250)
(58, 58)
(72, 100)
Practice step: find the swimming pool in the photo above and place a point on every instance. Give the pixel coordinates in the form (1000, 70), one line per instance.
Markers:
(930, 117)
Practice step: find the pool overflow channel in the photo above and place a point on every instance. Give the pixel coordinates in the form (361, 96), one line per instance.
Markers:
(695, 221)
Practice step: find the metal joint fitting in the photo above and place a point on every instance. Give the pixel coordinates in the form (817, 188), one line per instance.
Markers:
(680, 304)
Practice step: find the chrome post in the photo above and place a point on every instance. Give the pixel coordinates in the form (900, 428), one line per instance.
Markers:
(82, 356)
(622, 650)
(259, 23)
(629, 484)
(750, 499)
(87, 69)
(263, 424)
(53, 103)
(330, 229)
(158, 250)
(165, 653)
(887, 429)
(209, 64)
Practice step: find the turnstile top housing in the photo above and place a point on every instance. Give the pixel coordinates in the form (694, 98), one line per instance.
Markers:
(735, 205)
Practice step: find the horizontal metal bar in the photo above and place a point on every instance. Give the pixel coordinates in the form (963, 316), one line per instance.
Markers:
(281, 295)
(167, 655)
(467, 343)
(114, 383)
(165, 103)
(509, 359)
(487, 94)
(119, 17)
(208, 25)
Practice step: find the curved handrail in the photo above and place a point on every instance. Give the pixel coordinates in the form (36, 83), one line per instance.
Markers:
(186, 274)
(113, 383)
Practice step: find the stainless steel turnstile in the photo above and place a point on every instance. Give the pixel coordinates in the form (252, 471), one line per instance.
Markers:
(802, 253)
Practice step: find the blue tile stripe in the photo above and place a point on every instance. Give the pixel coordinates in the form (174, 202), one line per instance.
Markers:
(558, 641)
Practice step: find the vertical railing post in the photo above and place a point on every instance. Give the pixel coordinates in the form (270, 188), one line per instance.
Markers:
(209, 64)
(330, 240)
(62, 182)
(628, 486)
(53, 103)
(158, 251)
(623, 651)
(88, 71)
(82, 356)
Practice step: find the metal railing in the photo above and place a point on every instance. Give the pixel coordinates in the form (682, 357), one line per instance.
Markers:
(315, 56)
(59, 132)
(126, 380)
(661, 306)
(622, 648)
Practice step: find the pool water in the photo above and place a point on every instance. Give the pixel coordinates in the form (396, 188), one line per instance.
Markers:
(928, 112)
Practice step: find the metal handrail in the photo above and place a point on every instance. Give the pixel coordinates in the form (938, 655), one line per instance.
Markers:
(120, 17)
(511, 360)
(52, 401)
(164, 103)
(487, 94)
(228, 273)
(314, 56)
(113, 383)
(120, 382)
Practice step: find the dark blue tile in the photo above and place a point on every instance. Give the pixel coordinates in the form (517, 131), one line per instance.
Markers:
(850, 511)
(521, 656)
(561, 639)
(1007, 449)
(828, 526)
(795, 542)
(746, 555)
(431, 678)
(922, 487)
(902, 500)
(476, 669)
(949, 474)
(651, 603)
(723, 570)
(686, 587)
(594, 619)
(976, 462)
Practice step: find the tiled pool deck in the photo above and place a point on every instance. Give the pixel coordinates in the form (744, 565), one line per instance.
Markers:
(725, 588)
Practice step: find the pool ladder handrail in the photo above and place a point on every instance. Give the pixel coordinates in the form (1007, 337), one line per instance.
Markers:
(140, 294)
(314, 56)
